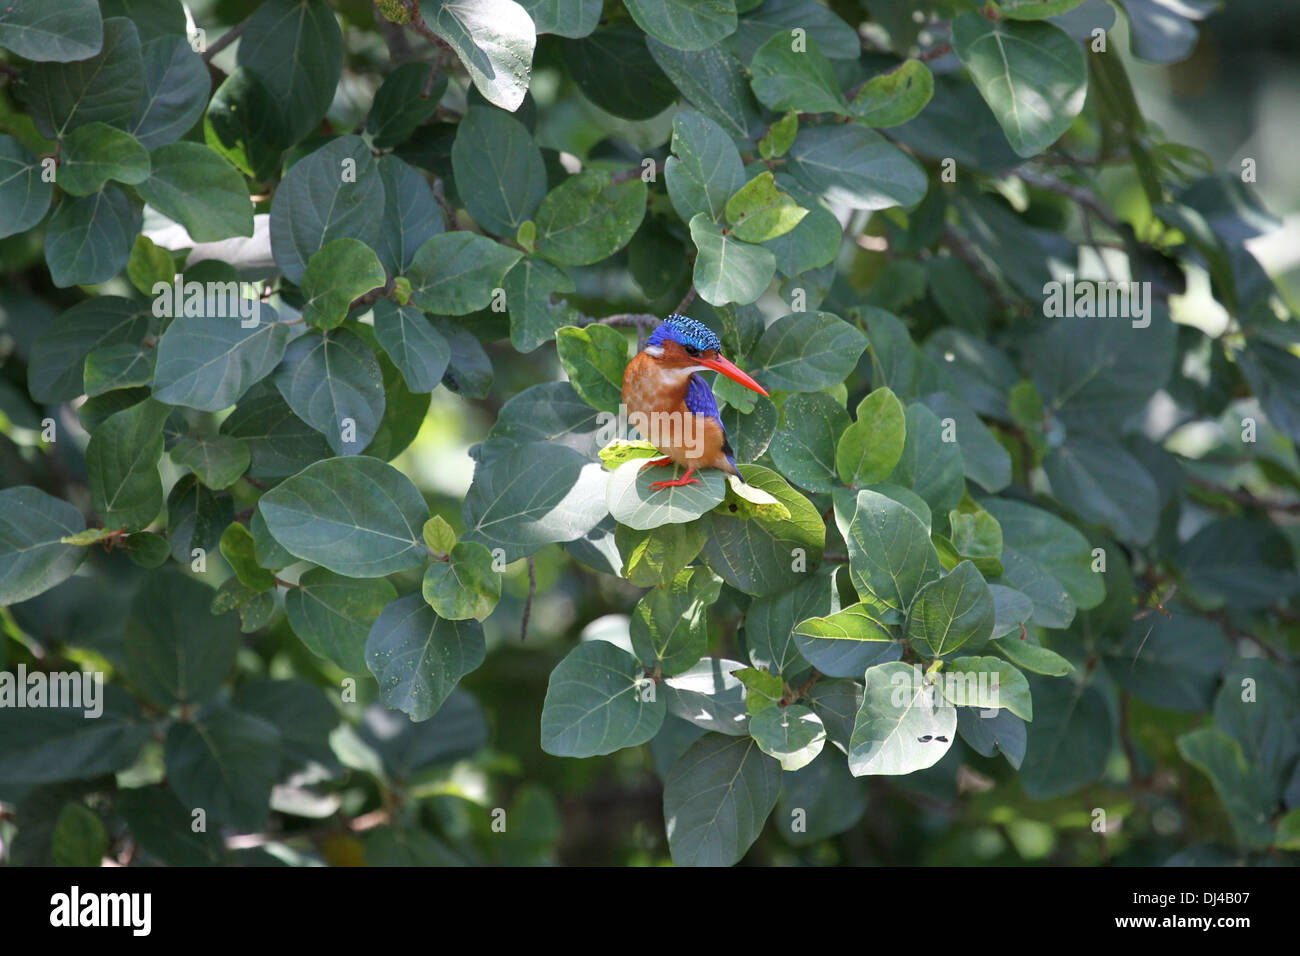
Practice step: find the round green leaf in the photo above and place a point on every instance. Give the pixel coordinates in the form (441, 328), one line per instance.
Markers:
(357, 516)
(599, 701)
(464, 586)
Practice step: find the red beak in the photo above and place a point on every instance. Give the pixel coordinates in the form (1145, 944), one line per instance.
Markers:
(730, 370)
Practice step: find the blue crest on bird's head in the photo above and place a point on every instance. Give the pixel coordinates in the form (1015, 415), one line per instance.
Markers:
(685, 331)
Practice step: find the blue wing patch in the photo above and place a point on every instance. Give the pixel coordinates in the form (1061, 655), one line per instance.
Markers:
(701, 402)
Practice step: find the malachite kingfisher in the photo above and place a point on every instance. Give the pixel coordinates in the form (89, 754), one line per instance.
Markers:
(673, 407)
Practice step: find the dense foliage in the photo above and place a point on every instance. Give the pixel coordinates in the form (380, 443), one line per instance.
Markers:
(1016, 544)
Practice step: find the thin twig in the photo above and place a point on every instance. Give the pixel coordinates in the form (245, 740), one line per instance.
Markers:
(689, 298)
(227, 38)
(1086, 198)
(453, 224)
(419, 26)
(964, 250)
(1241, 496)
(528, 604)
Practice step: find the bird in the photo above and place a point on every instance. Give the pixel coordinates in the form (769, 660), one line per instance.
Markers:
(673, 407)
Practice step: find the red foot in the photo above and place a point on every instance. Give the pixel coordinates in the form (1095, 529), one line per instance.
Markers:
(657, 462)
(685, 479)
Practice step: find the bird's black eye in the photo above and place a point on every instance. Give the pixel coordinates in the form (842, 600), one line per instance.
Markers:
(692, 351)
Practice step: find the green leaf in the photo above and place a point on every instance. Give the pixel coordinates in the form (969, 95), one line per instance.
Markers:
(1103, 484)
(759, 211)
(105, 87)
(295, 48)
(239, 551)
(456, 273)
(714, 82)
(684, 24)
(209, 361)
(218, 461)
(710, 696)
(779, 137)
(149, 264)
(1243, 561)
(594, 358)
(122, 461)
(984, 459)
(670, 624)
(1011, 609)
(33, 557)
(903, 725)
(357, 516)
(705, 169)
(195, 186)
(1035, 9)
(333, 614)
(599, 701)
(540, 493)
(793, 735)
(418, 657)
(717, 798)
(930, 465)
(95, 153)
(278, 441)
(760, 554)
(176, 651)
(890, 554)
(806, 352)
(400, 106)
(1240, 785)
(70, 31)
(771, 620)
(1003, 733)
(499, 171)
(79, 837)
(1059, 549)
(466, 585)
(895, 97)
(855, 167)
(243, 124)
(986, 683)
(49, 744)
(176, 88)
(1173, 663)
(439, 537)
(494, 40)
(787, 78)
(613, 68)
(196, 516)
(869, 449)
(88, 239)
(564, 17)
(118, 366)
(531, 286)
(414, 345)
(1032, 75)
(632, 502)
(332, 193)
(804, 445)
(24, 195)
(339, 272)
(333, 382)
(726, 268)
(652, 557)
(589, 217)
(1070, 740)
(953, 611)
(226, 762)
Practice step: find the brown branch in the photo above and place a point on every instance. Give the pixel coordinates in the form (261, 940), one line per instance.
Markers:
(1085, 198)
(227, 38)
(1242, 496)
(419, 26)
(964, 249)
(528, 604)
